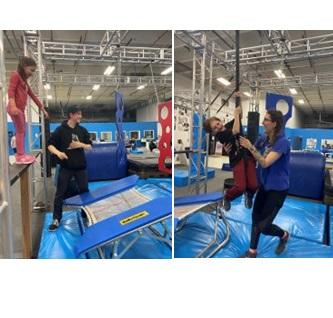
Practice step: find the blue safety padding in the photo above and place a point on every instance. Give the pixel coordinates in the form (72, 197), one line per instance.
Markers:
(226, 167)
(60, 244)
(103, 163)
(193, 237)
(181, 176)
(304, 219)
(307, 174)
(331, 226)
(102, 192)
(164, 183)
(199, 198)
(152, 191)
(111, 228)
(136, 151)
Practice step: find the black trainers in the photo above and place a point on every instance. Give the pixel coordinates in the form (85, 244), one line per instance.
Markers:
(54, 225)
(226, 204)
(249, 254)
(248, 201)
(282, 244)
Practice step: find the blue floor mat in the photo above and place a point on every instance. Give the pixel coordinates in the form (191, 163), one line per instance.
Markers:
(181, 176)
(193, 237)
(303, 219)
(60, 244)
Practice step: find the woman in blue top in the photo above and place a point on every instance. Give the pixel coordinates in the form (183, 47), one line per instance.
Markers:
(272, 151)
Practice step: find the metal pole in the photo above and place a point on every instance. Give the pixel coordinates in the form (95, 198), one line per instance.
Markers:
(6, 221)
(237, 102)
(153, 80)
(42, 119)
(201, 109)
(191, 120)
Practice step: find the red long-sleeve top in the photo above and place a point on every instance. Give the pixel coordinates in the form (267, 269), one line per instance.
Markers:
(19, 90)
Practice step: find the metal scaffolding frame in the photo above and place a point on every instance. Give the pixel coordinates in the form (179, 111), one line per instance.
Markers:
(105, 53)
(282, 49)
(306, 80)
(198, 181)
(6, 214)
(112, 80)
(32, 48)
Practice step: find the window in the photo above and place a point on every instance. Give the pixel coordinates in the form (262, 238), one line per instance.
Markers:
(134, 134)
(93, 135)
(148, 134)
(106, 136)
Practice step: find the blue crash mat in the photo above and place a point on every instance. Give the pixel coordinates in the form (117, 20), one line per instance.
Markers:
(193, 237)
(102, 192)
(303, 219)
(123, 223)
(181, 176)
(60, 244)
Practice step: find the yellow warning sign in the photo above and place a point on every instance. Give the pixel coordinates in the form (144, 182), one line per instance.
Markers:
(134, 217)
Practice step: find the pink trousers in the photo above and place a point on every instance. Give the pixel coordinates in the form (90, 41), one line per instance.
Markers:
(20, 127)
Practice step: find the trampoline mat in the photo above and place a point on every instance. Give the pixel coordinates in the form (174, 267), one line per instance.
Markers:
(114, 205)
(180, 212)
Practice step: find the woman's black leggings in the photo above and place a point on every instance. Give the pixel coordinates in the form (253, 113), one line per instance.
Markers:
(266, 207)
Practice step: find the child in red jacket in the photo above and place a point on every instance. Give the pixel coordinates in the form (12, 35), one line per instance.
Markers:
(18, 92)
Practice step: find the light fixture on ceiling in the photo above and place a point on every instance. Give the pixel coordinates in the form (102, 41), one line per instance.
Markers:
(109, 70)
(49, 96)
(279, 73)
(293, 91)
(96, 87)
(247, 94)
(141, 87)
(223, 81)
(47, 86)
(301, 101)
(89, 97)
(167, 71)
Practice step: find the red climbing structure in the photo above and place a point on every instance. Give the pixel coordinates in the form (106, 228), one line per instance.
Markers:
(164, 145)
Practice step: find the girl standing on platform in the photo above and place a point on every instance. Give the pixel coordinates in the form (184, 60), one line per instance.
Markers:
(18, 92)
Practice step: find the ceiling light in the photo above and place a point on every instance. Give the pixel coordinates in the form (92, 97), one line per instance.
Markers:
(279, 74)
(47, 86)
(96, 87)
(109, 70)
(301, 101)
(247, 94)
(49, 96)
(293, 91)
(89, 97)
(167, 71)
(141, 87)
(223, 81)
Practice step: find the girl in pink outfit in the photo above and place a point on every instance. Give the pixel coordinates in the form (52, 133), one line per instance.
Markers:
(18, 92)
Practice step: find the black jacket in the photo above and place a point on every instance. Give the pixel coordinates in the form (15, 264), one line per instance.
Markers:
(237, 152)
(61, 139)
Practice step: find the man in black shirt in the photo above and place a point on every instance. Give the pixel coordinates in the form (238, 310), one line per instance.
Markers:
(68, 143)
(241, 161)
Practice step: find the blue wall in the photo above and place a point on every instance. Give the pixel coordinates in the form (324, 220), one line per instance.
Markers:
(304, 133)
(98, 127)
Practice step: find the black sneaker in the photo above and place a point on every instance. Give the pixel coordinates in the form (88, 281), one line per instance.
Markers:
(226, 204)
(282, 244)
(248, 201)
(249, 254)
(54, 225)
